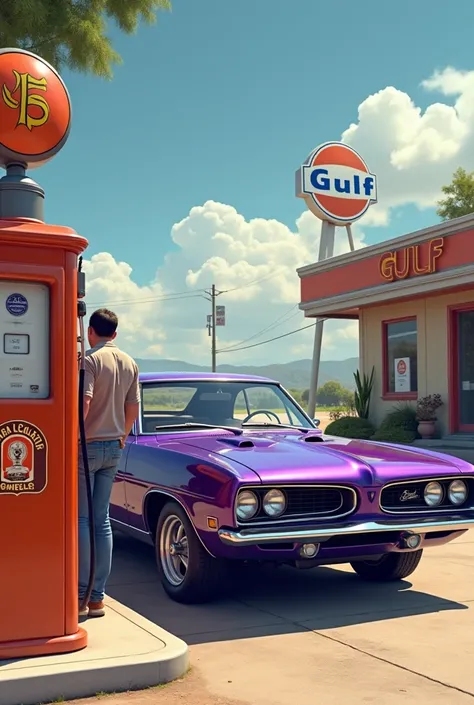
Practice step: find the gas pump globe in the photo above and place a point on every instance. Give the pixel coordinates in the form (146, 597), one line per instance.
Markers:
(38, 372)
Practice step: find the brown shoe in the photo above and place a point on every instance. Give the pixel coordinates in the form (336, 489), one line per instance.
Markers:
(96, 609)
(84, 612)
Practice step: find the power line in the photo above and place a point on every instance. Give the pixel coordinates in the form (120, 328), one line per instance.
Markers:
(255, 281)
(176, 296)
(166, 297)
(275, 324)
(270, 340)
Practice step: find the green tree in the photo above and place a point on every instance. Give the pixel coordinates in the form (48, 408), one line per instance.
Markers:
(296, 394)
(305, 396)
(459, 196)
(73, 33)
(331, 394)
(348, 398)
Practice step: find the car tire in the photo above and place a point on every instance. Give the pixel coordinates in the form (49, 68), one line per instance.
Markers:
(391, 567)
(200, 580)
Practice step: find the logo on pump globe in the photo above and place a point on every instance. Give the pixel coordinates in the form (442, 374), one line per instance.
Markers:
(35, 110)
(16, 304)
(336, 184)
(23, 458)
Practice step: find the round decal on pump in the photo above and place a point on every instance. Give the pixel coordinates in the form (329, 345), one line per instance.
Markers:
(23, 458)
(16, 304)
(336, 184)
(35, 109)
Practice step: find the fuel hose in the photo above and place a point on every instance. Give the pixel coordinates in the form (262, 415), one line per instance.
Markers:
(85, 459)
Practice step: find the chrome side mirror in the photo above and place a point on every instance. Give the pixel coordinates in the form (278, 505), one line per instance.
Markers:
(316, 422)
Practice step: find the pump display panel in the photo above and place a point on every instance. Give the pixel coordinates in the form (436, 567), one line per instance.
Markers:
(24, 341)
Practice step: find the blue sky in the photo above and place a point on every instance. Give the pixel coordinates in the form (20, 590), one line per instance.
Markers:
(223, 100)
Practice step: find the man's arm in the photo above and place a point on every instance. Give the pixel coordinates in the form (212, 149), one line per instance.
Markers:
(89, 381)
(87, 405)
(131, 415)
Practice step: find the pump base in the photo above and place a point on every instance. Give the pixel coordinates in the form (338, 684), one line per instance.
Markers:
(43, 647)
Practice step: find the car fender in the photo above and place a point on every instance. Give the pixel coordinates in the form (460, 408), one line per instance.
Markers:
(173, 497)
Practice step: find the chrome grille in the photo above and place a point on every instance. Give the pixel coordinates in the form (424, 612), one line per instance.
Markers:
(306, 502)
(407, 497)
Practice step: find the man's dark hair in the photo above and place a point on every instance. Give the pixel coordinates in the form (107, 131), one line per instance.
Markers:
(103, 322)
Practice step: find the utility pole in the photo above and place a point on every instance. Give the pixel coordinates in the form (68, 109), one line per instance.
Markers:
(214, 319)
(213, 327)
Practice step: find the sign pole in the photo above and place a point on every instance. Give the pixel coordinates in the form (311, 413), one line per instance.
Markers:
(326, 250)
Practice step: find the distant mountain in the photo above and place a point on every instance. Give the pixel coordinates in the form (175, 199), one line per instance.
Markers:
(293, 375)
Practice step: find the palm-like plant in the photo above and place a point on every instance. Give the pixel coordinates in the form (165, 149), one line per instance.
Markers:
(364, 385)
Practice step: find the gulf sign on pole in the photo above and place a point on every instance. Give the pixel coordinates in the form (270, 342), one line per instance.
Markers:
(336, 184)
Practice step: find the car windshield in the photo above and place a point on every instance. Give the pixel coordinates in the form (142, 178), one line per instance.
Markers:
(233, 404)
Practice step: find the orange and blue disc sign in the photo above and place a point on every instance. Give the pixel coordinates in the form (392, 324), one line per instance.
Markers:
(35, 109)
(336, 183)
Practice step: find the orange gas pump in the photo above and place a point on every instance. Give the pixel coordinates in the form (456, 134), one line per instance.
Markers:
(38, 373)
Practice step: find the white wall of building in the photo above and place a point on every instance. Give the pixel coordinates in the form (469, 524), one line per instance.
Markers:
(432, 328)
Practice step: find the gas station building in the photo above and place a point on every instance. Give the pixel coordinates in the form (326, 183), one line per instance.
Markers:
(414, 299)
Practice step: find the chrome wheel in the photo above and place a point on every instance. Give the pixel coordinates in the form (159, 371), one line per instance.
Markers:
(174, 551)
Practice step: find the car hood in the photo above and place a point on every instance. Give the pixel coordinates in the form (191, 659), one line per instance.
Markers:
(297, 457)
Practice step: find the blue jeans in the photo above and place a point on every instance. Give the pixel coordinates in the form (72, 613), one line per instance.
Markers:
(104, 457)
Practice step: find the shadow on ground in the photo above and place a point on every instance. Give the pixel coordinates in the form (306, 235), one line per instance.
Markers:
(264, 602)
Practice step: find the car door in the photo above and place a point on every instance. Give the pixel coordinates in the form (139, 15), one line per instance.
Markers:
(118, 499)
(134, 487)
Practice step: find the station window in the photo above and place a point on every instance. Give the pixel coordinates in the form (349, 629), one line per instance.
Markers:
(400, 342)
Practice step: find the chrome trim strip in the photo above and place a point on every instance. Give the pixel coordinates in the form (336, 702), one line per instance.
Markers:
(131, 531)
(246, 538)
(117, 523)
(414, 510)
(294, 517)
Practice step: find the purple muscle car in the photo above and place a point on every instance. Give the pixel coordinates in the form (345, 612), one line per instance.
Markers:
(223, 468)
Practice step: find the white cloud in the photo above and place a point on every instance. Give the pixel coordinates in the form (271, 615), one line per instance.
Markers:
(413, 152)
(254, 261)
(111, 282)
(450, 81)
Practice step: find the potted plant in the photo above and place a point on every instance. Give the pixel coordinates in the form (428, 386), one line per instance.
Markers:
(426, 414)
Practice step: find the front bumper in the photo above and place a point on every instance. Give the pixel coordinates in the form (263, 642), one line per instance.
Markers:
(251, 537)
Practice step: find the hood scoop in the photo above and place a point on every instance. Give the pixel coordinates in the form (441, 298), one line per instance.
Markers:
(247, 442)
(313, 438)
(238, 442)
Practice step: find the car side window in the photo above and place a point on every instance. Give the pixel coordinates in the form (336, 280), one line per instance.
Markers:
(164, 404)
(259, 398)
(162, 398)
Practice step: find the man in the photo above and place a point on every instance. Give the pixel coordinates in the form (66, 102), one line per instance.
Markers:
(111, 403)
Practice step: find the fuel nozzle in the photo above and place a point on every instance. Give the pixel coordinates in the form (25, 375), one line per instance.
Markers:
(81, 309)
(81, 281)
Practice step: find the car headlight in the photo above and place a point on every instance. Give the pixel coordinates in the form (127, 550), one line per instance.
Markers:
(274, 503)
(247, 505)
(457, 492)
(433, 494)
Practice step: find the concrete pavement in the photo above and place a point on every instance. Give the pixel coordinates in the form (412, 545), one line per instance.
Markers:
(319, 636)
(125, 651)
